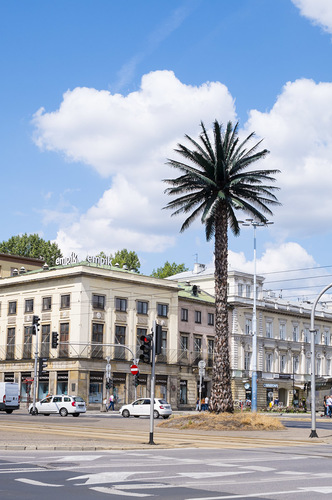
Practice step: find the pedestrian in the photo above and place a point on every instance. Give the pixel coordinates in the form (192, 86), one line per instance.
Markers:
(111, 406)
(329, 405)
(325, 407)
(197, 404)
(206, 407)
(105, 404)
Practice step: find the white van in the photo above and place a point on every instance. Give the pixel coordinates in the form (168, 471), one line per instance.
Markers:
(9, 397)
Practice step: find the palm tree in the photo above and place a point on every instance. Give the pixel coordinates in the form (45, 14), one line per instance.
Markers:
(214, 184)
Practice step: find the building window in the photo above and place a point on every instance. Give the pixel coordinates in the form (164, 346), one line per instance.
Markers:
(269, 329)
(269, 362)
(162, 310)
(248, 291)
(97, 338)
(327, 338)
(12, 306)
(282, 363)
(316, 337)
(328, 367)
(10, 343)
(142, 307)
(296, 364)
(240, 290)
(47, 303)
(308, 365)
(65, 302)
(307, 335)
(64, 337)
(120, 338)
(45, 341)
(121, 304)
(98, 301)
(295, 333)
(197, 349)
(162, 357)
(248, 326)
(27, 342)
(210, 352)
(28, 306)
(318, 367)
(210, 319)
(184, 343)
(247, 360)
(184, 314)
(183, 392)
(198, 317)
(282, 331)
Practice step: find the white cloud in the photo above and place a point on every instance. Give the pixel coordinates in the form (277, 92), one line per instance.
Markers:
(129, 139)
(318, 11)
(298, 132)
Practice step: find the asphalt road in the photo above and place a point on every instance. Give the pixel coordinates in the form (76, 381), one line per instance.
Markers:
(179, 474)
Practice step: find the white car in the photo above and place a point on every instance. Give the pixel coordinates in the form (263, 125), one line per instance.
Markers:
(62, 404)
(141, 408)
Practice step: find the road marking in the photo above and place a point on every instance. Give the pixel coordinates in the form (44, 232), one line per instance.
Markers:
(107, 477)
(202, 475)
(37, 483)
(258, 468)
(115, 491)
(80, 458)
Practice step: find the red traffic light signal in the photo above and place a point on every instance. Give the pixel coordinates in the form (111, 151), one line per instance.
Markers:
(146, 348)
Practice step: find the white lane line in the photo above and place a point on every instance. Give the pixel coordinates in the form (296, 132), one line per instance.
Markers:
(107, 477)
(114, 491)
(258, 468)
(78, 458)
(37, 483)
(246, 495)
(203, 475)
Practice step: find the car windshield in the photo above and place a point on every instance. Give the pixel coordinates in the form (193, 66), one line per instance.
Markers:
(162, 401)
(78, 399)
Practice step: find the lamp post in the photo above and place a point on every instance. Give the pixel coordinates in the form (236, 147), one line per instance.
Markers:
(254, 224)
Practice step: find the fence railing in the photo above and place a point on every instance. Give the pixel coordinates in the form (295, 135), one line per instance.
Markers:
(66, 350)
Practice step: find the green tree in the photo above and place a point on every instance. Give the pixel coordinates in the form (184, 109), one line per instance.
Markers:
(130, 259)
(214, 184)
(168, 270)
(123, 257)
(31, 246)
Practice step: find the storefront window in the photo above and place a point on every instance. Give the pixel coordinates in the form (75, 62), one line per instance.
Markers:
(119, 388)
(183, 392)
(96, 387)
(62, 383)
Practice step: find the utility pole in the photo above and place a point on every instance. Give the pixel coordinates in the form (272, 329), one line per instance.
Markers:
(34, 331)
(153, 369)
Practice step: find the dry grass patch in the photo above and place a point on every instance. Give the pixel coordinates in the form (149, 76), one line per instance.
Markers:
(224, 422)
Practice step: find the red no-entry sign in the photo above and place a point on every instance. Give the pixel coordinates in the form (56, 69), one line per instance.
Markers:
(134, 369)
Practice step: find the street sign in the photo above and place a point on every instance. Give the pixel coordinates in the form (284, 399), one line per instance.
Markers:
(202, 371)
(201, 364)
(134, 369)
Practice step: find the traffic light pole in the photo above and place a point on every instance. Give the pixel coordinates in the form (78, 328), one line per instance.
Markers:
(153, 369)
(35, 326)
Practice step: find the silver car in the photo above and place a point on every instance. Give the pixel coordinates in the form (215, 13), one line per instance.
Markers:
(141, 408)
(62, 404)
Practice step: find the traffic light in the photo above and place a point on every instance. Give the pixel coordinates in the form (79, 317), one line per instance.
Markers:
(136, 380)
(159, 337)
(35, 324)
(108, 385)
(42, 366)
(55, 342)
(146, 348)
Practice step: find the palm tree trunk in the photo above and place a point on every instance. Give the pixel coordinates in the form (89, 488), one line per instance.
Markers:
(221, 394)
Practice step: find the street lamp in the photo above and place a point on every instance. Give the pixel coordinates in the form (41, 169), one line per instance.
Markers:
(254, 224)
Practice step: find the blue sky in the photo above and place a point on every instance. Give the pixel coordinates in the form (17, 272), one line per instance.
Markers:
(95, 96)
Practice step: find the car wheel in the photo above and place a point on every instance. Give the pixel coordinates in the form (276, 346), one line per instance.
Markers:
(9, 411)
(125, 414)
(155, 414)
(33, 412)
(76, 414)
(166, 416)
(63, 412)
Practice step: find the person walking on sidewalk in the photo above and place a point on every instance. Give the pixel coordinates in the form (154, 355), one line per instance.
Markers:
(111, 406)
